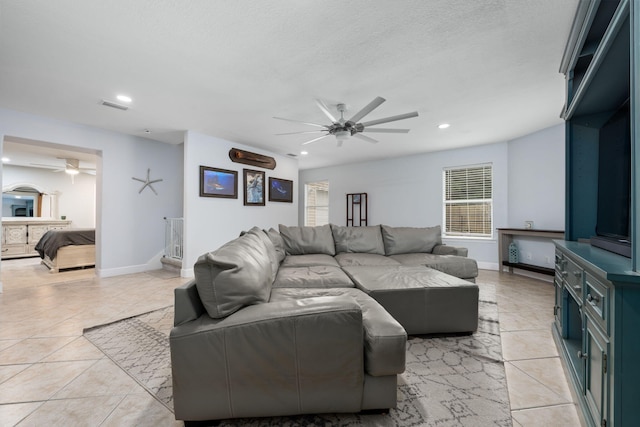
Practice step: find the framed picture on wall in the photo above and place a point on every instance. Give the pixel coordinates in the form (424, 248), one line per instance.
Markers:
(280, 190)
(253, 187)
(216, 182)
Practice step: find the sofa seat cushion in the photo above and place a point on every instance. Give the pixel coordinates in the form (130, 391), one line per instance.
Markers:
(309, 260)
(423, 300)
(462, 267)
(384, 338)
(317, 276)
(236, 275)
(358, 239)
(346, 259)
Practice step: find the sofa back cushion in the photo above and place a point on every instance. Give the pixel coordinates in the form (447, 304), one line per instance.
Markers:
(405, 240)
(278, 243)
(236, 275)
(308, 240)
(358, 239)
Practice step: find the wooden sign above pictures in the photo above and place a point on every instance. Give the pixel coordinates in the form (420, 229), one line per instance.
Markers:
(253, 159)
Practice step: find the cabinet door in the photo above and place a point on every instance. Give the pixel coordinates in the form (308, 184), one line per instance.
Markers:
(36, 232)
(15, 234)
(596, 381)
(557, 309)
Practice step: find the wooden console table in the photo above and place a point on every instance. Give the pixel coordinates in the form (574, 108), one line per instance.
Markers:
(505, 237)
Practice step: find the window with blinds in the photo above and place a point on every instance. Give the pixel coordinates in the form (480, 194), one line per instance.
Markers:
(316, 203)
(468, 203)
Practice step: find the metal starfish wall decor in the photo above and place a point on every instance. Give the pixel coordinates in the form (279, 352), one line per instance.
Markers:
(147, 182)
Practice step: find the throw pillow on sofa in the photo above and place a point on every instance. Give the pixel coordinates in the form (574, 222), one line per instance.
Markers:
(358, 239)
(235, 275)
(308, 240)
(405, 240)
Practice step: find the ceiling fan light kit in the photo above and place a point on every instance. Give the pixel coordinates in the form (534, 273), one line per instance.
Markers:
(344, 129)
(72, 166)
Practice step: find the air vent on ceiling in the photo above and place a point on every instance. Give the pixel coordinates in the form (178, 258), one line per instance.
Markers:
(292, 155)
(114, 105)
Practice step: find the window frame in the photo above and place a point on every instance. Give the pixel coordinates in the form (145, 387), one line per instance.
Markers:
(445, 203)
(315, 206)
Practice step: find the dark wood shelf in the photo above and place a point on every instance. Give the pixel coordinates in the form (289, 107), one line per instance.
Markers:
(530, 267)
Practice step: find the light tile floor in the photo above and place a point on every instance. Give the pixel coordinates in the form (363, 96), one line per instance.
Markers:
(50, 375)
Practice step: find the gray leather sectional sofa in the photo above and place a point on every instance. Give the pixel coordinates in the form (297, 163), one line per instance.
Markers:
(312, 319)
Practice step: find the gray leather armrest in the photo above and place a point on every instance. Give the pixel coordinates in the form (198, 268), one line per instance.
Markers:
(188, 306)
(449, 250)
(286, 357)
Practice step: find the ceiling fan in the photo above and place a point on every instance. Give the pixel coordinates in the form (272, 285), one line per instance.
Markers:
(344, 129)
(71, 167)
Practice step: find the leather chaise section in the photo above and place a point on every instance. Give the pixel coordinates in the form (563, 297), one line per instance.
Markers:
(465, 268)
(423, 300)
(278, 358)
(384, 338)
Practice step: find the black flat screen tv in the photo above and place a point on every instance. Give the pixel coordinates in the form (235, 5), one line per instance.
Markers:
(614, 184)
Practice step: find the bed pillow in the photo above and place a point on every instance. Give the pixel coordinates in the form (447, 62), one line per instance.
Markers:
(406, 240)
(308, 240)
(233, 276)
(358, 239)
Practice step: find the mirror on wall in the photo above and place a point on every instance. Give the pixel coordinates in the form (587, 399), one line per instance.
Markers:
(27, 202)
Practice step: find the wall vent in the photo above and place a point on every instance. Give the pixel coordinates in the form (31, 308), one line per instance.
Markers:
(114, 105)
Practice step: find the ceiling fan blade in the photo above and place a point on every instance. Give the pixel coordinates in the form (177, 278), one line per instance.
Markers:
(315, 139)
(364, 137)
(385, 130)
(298, 121)
(296, 133)
(322, 106)
(390, 119)
(367, 109)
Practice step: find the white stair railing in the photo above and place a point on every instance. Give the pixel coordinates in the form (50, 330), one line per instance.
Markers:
(173, 238)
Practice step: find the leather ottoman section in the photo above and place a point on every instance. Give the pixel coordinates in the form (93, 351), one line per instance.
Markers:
(384, 338)
(423, 300)
(312, 277)
(347, 259)
(309, 260)
(458, 266)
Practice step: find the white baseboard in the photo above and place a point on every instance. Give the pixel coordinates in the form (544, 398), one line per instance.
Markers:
(186, 272)
(488, 266)
(119, 271)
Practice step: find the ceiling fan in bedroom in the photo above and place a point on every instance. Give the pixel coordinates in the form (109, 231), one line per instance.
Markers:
(70, 167)
(343, 129)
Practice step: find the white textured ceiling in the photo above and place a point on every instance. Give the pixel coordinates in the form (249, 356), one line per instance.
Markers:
(226, 67)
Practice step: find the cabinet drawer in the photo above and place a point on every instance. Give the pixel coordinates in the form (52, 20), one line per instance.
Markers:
(572, 275)
(597, 300)
(12, 250)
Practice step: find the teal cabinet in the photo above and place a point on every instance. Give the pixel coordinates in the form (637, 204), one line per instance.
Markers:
(597, 302)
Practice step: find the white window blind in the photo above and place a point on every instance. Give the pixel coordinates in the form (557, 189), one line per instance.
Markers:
(468, 203)
(316, 203)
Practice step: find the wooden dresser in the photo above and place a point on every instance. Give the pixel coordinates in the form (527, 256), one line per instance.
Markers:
(20, 235)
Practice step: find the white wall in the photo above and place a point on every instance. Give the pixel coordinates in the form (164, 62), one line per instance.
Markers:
(76, 200)
(211, 222)
(129, 226)
(537, 190)
(407, 191)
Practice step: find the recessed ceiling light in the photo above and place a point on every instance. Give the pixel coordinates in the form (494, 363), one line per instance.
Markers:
(443, 125)
(124, 98)
(6, 160)
(304, 153)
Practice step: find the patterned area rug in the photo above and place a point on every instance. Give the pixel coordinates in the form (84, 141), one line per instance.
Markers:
(449, 380)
